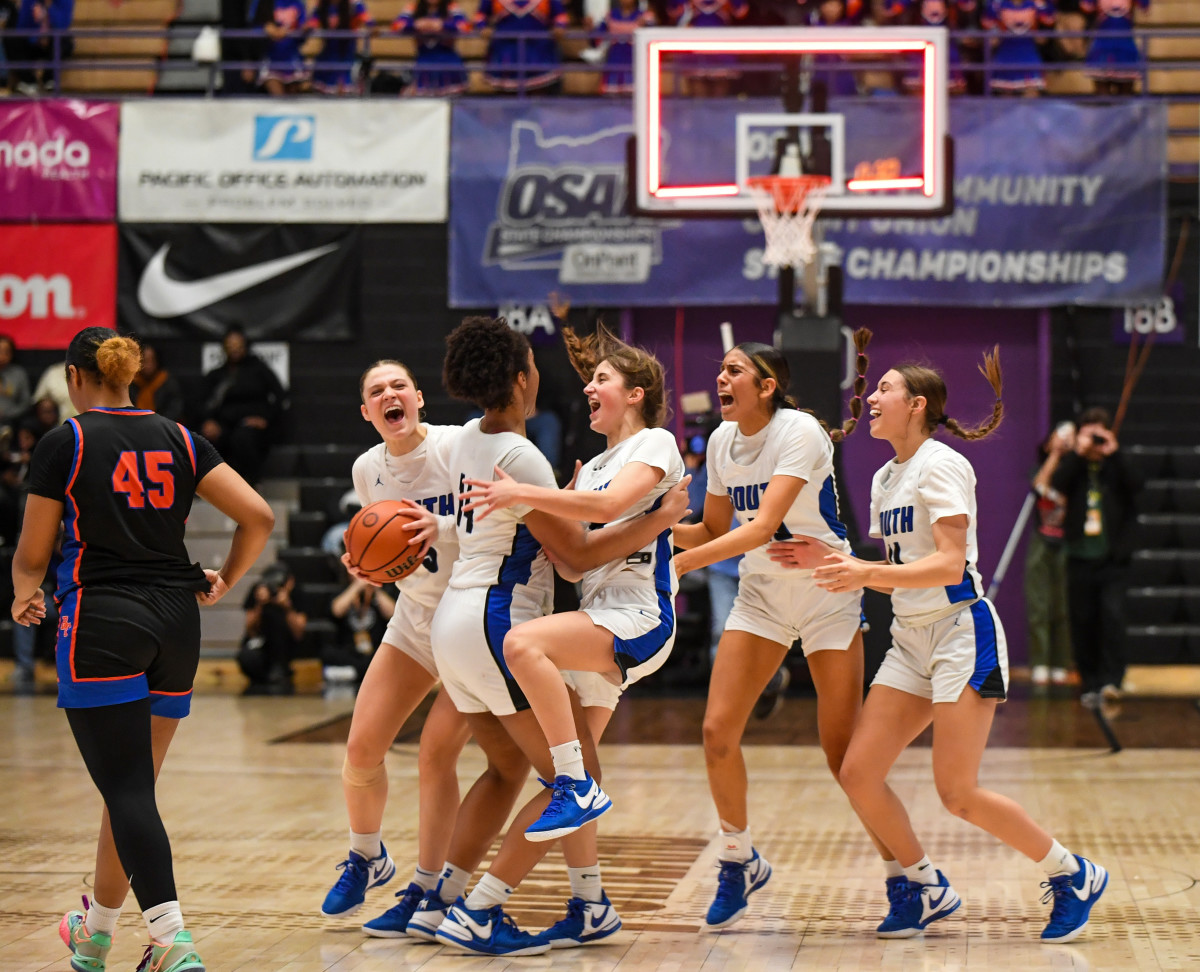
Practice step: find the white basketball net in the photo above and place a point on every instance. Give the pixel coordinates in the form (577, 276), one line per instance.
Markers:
(787, 209)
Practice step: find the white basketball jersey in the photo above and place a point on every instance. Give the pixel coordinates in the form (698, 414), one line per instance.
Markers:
(499, 549)
(792, 444)
(906, 499)
(650, 566)
(423, 476)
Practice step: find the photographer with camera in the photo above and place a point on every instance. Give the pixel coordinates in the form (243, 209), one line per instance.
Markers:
(1100, 489)
(274, 630)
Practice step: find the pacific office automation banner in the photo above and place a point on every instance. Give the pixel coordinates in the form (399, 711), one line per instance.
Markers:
(55, 280)
(58, 161)
(330, 161)
(278, 282)
(538, 204)
(1055, 203)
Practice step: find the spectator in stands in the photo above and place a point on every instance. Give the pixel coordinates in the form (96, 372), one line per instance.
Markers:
(284, 71)
(361, 613)
(623, 18)
(839, 82)
(14, 469)
(14, 382)
(528, 63)
(1016, 53)
(243, 404)
(8, 19)
(156, 388)
(335, 68)
(931, 13)
(53, 385)
(1046, 611)
(435, 24)
(712, 76)
(46, 17)
(42, 416)
(1100, 488)
(274, 630)
(1114, 61)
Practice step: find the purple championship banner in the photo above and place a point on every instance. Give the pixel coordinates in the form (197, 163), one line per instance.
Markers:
(1055, 203)
(58, 161)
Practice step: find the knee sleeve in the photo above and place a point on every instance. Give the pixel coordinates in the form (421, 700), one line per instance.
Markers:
(363, 778)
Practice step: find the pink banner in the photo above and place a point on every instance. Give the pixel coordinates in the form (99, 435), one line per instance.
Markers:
(58, 161)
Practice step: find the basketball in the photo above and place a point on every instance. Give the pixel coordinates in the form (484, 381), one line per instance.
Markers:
(378, 544)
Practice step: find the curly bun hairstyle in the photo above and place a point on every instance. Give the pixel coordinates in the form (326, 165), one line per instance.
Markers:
(638, 367)
(928, 382)
(105, 355)
(483, 358)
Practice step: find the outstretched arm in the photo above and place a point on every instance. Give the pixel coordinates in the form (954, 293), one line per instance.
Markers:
(777, 499)
(570, 543)
(634, 481)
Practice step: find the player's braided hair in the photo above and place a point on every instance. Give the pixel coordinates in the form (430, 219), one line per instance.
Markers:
(106, 355)
(770, 362)
(483, 358)
(928, 382)
(382, 363)
(639, 368)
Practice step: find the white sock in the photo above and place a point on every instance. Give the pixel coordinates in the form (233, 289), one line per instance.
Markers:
(100, 919)
(922, 872)
(164, 921)
(489, 892)
(369, 846)
(893, 869)
(735, 844)
(1058, 861)
(425, 880)
(585, 882)
(453, 883)
(568, 760)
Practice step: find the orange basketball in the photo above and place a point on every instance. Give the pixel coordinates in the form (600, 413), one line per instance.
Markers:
(378, 544)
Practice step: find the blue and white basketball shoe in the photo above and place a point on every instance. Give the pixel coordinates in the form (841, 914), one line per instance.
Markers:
(586, 922)
(394, 922)
(488, 931)
(1074, 895)
(428, 918)
(736, 882)
(915, 905)
(358, 875)
(572, 804)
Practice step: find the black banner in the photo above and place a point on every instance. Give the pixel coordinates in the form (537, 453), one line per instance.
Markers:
(279, 282)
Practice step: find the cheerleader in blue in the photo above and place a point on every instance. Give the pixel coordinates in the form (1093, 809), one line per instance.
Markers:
(514, 63)
(284, 71)
(1016, 56)
(624, 17)
(712, 74)
(836, 13)
(334, 67)
(932, 13)
(1113, 60)
(435, 23)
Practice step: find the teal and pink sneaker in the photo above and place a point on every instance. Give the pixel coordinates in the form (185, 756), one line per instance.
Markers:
(88, 951)
(177, 955)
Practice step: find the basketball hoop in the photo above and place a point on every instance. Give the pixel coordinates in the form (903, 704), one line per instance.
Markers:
(788, 207)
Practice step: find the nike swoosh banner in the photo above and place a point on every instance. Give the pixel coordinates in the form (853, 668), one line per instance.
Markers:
(281, 282)
(301, 161)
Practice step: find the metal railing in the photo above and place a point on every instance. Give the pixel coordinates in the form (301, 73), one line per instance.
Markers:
(983, 69)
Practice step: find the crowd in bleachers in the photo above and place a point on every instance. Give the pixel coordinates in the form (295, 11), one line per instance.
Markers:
(333, 47)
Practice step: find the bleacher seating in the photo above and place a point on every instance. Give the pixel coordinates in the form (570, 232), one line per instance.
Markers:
(117, 65)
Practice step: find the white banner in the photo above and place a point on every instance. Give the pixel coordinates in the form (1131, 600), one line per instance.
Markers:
(327, 161)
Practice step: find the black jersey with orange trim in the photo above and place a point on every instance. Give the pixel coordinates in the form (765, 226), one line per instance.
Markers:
(126, 478)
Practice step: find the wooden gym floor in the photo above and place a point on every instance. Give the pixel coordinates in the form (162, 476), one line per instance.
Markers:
(252, 799)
